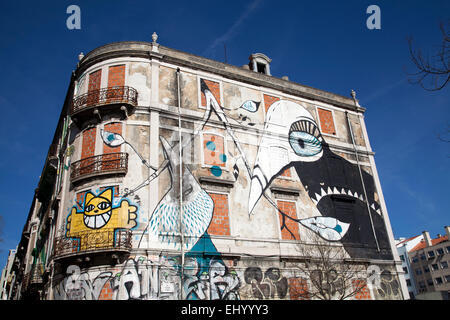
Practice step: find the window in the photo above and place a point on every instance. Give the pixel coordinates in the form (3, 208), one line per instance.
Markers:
(326, 121)
(426, 269)
(214, 152)
(434, 267)
(115, 190)
(360, 286)
(95, 79)
(269, 100)
(289, 230)
(279, 157)
(448, 249)
(298, 289)
(447, 278)
(430, 254)
(408, 282)
(422, 284)
(260, 63)
(220, 223)
(444, 264)
(214, 87)
(405, 269)
(440, 251)
(423, 257)
(415, 259)
(261, 67)
(116, 76)
(430, 282)
(418, 271)
(79, 199)
(438, 280)
(402, 257)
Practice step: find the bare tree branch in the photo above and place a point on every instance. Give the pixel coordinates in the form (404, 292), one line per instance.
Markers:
(432, 73)
(328, 271)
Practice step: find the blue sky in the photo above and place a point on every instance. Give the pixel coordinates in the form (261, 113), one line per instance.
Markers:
(322, 44)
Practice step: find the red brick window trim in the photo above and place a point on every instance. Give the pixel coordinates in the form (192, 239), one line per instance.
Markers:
(116, 75)
(215, 88)
(214, 149)
(326, 120)
(289, 228)
(269, 100)
(115, 190)
(360, 285)
(298, 289)
(220, 223)
(114, 127)
(281, 154)
(79, 199)
(88, 142)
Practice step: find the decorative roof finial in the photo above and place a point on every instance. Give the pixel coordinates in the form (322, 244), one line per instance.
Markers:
(353, 93)
(80, 56)
(154, 37)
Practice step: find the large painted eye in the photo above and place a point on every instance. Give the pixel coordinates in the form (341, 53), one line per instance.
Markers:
(89, 208)
(103, 205)
(305, 138)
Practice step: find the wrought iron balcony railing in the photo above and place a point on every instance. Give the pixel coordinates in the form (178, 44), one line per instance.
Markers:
(92, 241)
(111, 95)
(33, 277)
(109, 163)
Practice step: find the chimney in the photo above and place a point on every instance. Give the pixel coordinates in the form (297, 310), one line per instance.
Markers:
(260, 63)
(426, 237)
(447, 231)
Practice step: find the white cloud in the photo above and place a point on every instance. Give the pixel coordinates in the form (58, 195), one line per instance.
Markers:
(231, 31)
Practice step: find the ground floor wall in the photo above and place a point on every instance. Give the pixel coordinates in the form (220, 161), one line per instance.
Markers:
(160, 277)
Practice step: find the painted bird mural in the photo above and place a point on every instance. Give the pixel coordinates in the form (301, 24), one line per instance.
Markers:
(198, 207)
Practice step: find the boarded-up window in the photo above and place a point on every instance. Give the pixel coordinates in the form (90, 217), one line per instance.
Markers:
(116, 81)
(115, 190)
(289, 227)
(111, 156)
(214, 87)
(80, 199)
(360, 286)
(88, 151)
(214, 150)
(298, 289)
(269, 100)
(116, 76)
(278, 159)
(220, 223)
(326, 121)
(95, 79)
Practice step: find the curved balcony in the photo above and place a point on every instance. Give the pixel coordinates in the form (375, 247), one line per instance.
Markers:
(105, 100)
(105, 240)
(105, 164)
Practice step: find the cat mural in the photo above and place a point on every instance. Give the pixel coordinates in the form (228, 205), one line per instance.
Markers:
(96, 225)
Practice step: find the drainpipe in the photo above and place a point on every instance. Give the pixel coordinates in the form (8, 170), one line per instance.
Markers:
(181, 180)
(362, 180)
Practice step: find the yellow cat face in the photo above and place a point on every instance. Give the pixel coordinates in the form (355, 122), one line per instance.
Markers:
(97, 209)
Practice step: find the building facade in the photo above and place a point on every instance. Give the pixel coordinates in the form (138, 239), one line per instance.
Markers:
(430, 261)
(403, 248)
(152, 141)
(7, 277)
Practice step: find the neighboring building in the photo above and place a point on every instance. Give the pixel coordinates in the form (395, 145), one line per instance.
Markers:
(430, 261)
(7, 277)
(403, 247)
(264, 161)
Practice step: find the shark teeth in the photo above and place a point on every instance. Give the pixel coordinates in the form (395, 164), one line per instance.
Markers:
(97, 221)
(334, 191)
